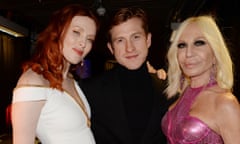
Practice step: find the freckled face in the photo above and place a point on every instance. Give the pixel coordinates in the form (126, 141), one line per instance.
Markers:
(195, 55)
(130, 43)
(78, 39)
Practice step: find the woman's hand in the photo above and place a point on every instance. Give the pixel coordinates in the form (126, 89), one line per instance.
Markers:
(160, 72)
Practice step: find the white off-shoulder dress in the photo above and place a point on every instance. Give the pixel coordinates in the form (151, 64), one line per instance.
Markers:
(62, 121)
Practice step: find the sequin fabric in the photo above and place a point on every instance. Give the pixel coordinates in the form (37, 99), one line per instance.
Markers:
(181, 128)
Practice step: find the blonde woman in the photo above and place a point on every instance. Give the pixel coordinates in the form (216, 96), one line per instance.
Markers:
(200, 69)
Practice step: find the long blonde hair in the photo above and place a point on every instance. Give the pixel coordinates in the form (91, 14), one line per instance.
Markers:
(224, 66)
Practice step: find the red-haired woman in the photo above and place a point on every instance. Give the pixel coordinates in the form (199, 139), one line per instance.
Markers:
(47, 101)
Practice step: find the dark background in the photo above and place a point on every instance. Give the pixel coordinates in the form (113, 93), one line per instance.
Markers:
(34, 15)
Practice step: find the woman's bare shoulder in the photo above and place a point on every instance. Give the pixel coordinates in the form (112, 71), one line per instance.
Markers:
(30, 77)
(222, 100)
(227, 105)
(226, 99)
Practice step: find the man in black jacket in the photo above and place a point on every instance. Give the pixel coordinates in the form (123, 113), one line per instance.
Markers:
(128, 102)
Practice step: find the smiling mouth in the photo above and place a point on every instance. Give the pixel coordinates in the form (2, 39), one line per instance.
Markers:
(189, 65)
(131, 57)
(79, 52)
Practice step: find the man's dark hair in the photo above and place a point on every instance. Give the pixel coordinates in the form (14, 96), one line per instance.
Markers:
(124, 14)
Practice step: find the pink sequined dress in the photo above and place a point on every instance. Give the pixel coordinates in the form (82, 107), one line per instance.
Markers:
(181, 128)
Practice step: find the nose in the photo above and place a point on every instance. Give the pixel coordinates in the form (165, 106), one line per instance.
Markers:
(189, 51)
(130, 46)
(82, 42)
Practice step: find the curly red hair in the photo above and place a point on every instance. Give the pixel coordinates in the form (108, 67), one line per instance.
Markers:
(48, 59)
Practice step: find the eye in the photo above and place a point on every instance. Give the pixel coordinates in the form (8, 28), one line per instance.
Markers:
(199, 43)
(90, 40)
(76, 32)
(181, 45)
(136, 36)
(119, 40)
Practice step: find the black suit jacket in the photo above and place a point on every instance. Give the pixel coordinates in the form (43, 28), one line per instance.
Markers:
(109, 123)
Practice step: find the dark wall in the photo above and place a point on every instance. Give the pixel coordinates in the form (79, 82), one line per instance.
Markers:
(12, 52)
(229, 21)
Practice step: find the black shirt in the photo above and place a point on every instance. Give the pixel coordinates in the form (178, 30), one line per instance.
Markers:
(137, 92)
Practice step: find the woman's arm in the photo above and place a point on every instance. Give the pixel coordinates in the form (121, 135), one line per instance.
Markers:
(25, 117)
(229, 119)
(25, 114)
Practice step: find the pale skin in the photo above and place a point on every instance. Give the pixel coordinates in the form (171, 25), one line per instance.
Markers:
(77, 43)
(216, 107)
(130, 43)
(130, 46)
(160, 72)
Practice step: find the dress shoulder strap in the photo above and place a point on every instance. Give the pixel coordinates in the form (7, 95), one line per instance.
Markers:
(30, 93)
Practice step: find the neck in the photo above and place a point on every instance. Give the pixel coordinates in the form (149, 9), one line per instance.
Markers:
(202, 82)
(66, 70)
(143, 67)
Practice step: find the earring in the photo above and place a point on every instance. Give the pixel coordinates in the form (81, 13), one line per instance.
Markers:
(82, 63)
(182, 79)
(213, 73)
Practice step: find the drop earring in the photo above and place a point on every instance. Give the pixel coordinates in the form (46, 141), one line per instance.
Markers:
(182, 79)
(82, 63)
(213, 73)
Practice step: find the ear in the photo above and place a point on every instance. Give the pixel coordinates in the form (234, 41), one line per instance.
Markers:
(109, 45)
(149, 40)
